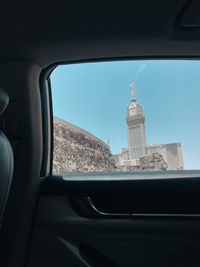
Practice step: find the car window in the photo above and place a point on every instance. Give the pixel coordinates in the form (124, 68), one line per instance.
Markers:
(126, 116)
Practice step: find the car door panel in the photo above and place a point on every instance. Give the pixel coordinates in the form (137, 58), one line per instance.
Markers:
(68, 233)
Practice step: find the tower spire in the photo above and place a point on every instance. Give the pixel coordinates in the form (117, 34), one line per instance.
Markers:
(132, 90)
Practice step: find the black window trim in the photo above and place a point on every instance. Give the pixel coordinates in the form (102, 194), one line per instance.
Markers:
(47, 105)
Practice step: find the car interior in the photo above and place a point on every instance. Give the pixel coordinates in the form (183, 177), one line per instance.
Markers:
(95, 219)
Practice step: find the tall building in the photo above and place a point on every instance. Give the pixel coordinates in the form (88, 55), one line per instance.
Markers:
(137, 148)
(135, 128)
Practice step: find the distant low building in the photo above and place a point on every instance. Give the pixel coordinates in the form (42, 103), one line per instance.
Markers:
(154, 148)
(137, 147)
(172, 154)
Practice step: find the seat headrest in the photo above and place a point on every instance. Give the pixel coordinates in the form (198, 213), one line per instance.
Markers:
(4, 100)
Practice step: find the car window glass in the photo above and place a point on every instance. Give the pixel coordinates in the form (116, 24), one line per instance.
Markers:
(126, 116)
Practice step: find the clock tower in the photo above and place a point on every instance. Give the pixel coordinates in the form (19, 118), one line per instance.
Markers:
(135, 128)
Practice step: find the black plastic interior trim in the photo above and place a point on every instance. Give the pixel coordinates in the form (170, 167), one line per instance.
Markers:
(43, 92)
(47, 117)
(183, 186)
(51, 126)
(189, 16)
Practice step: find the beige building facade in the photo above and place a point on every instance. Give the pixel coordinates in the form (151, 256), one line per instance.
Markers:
(154, 148)
(172, 154)
(137, 147)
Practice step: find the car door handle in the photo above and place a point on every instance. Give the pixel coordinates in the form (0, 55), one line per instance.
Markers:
(99, 213)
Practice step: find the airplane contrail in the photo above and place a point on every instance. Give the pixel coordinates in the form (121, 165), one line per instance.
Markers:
(140, 70)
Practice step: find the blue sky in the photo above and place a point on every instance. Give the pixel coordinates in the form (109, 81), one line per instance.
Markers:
(94, 97)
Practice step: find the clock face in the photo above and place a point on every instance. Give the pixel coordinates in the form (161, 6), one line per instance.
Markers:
(132, 111)
(132, 108)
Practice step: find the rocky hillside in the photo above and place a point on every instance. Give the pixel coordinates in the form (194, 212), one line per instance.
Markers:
(76, 150)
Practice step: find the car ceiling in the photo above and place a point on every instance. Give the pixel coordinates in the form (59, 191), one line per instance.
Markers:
(53, 31)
